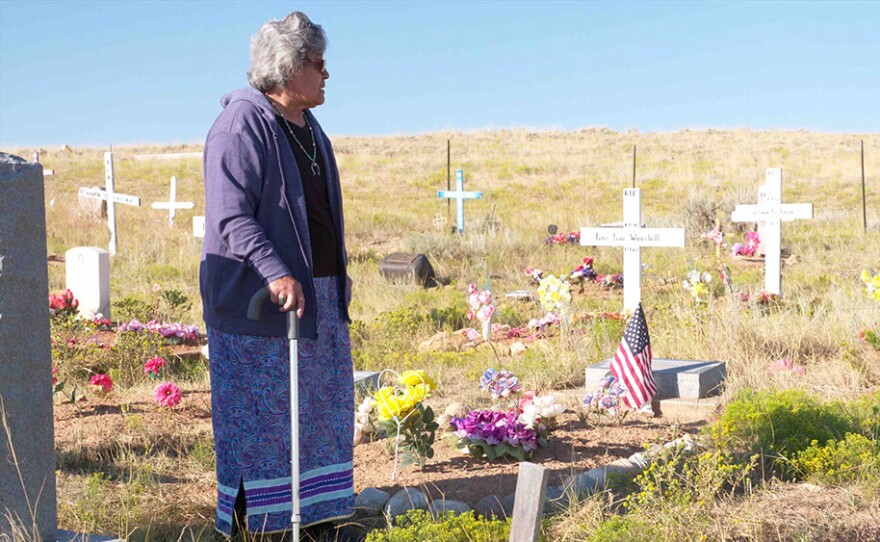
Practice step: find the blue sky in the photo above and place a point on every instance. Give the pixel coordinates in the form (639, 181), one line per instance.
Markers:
(121, 72)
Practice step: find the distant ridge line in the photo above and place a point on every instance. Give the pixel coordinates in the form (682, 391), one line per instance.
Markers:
(169, 156)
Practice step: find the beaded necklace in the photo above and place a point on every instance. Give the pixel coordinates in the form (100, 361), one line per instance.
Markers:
(316, 169)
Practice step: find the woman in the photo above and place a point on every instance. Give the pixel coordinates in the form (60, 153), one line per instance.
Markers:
(274, 219)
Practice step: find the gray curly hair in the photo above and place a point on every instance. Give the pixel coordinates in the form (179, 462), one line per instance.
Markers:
(281, 48)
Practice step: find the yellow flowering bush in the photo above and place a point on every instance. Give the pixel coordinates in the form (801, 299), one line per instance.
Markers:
(854, 457)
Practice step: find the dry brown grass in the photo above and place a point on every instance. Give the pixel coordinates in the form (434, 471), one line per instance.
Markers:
(529, 180)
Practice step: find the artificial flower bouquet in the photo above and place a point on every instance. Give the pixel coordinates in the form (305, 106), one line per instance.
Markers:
(401, 414)
(172, 333)
(750, 248)
(607, 400)
(696, 284)
(514, 432)
(63, 305)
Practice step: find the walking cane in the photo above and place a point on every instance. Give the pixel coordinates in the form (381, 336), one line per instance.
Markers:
(292, 337)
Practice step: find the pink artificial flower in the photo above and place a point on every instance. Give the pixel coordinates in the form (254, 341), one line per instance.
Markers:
(484, 297)
(527, 399)
(153, 366)
(786, 364)
(102, 381)
(486, 312)
(472, 288)
(54, 378)
(471, 314)
(167, 394)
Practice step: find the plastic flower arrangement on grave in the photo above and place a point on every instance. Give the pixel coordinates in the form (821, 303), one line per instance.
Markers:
(499, 383)
(535, 273)
(153, 366)
(167, 394)
(543, 324)
(751, 246)
(695, 284)
(786, 365)
(715, 235)
(491, 434)
(554, 294)
(607, 399)
(515, 432)
(563, 238)
(872, 284)
(63, 305)
(480, 304)
(401, 413)
(584, 272)
(102, 382)
(610, 281)
(173, 333)
(534, 408)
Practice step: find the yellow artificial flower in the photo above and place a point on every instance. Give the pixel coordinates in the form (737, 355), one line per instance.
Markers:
(414, 378)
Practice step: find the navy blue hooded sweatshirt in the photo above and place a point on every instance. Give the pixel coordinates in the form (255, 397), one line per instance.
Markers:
(255, 219)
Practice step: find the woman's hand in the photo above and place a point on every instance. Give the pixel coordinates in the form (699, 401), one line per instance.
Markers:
(288, 293)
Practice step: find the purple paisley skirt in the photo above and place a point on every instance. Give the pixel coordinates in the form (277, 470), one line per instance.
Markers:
(250, 401)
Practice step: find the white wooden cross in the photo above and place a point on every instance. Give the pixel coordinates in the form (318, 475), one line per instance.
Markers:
(172, 204)
(632, 237)
(459, 195)
(772, 212)
(111, 197)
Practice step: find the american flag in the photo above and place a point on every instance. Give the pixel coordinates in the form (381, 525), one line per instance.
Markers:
(632, 362)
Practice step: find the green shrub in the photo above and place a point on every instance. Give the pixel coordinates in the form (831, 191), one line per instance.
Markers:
(419, 526)
(848, 460)
(131, 351)
(778, 423)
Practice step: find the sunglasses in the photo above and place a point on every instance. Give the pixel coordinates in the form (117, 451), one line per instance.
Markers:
(320, 64)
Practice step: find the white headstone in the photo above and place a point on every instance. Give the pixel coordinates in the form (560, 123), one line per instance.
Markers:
(88, 277)
(198, 226)
(172, 204)
(111, 197)
(27, 467)
(773, 213)
(632, 237)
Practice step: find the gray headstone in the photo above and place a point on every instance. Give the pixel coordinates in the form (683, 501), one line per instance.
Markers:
(28, 493)
(674, 377)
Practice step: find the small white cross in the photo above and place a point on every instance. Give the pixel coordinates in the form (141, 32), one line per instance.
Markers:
(172, 204)
(632, 237)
